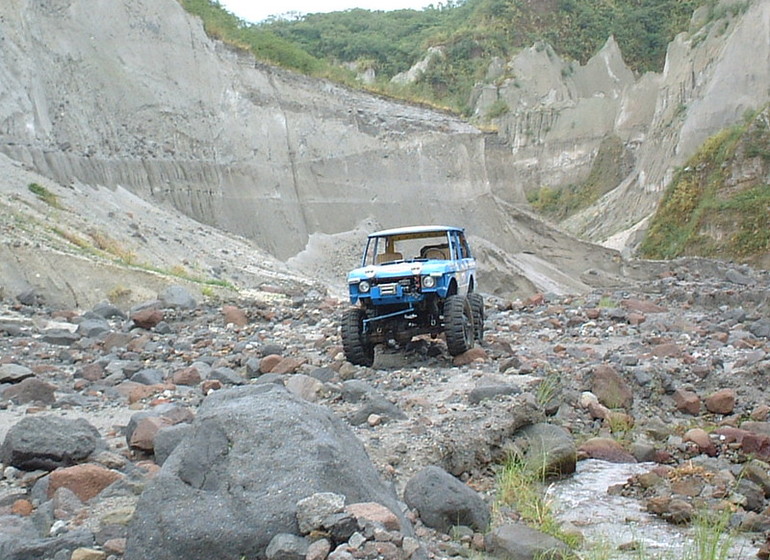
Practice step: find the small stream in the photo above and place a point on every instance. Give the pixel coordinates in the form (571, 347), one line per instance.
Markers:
(609, 521)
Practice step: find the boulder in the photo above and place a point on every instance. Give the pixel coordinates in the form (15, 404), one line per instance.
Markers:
(516, 541)
(177, 297)
(233, 483)
(49, 442)
(442, 501)
(547, 449)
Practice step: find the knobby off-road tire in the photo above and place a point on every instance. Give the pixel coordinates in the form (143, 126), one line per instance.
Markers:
(357, 350)
(458, 324)
(477, 306)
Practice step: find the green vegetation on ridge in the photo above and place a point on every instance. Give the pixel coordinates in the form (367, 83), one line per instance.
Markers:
(470, 33)
(718, 205)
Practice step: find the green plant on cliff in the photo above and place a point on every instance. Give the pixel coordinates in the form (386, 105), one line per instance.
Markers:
(471, 33)
(45, 195)
(608, 169)
(706, 211)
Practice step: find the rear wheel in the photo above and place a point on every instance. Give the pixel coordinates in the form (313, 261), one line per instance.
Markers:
(477, 306)
(458, 324)
(358, 350)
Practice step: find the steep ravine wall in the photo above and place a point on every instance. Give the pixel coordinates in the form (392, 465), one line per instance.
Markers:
(559, 112)
(149, 103)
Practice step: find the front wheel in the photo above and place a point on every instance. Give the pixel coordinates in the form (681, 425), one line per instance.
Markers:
(358, 350)
(477, 306)
(458, 324)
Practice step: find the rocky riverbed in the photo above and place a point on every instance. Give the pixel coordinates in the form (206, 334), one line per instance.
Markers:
(672, 371)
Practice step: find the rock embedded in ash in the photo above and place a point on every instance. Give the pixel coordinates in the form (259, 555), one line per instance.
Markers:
(86, 480)
(605, 449)
(14, 373)
(517, 541)
(253, 452)
(31, 390)
(442, 501)
(177, 297)
(547, 449)
(610, 388)
(49, 442)
(312, 511)
(285, 546)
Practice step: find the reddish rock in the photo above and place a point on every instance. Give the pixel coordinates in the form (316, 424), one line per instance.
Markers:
(267, 363)
(667, 350)
(537, 299)
(210, 385)
(606, 449)
(144, 434)
(593, 313)
(760, 414)
(85, 481)
(611, 390)
(22, 507)
(115, 546)
(91, 372)
(31, 390)
(187, 376)
(116, 340)
(636, 318)
(687, 401)
(287, 365)
(721, 402)
(140, 392)
(474, 354)
(642, 306)
(701, 439)
(235, 316)
(375, 512)
(147, 318)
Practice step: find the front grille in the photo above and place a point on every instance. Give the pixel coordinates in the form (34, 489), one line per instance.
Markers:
(389, 286)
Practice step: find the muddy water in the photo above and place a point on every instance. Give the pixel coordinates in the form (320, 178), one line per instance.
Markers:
(611, 523)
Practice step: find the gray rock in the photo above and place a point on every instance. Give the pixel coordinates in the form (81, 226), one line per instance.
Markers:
(167, 439)
(13, 373)
(253, 453)
(55, 548)
(442, 501)
(49, 442)
(547, 449)
(487, 392)
(311, 511)
(177, 297)
(284, 546)
(355, 390)
(226, 375)
(106, 310)
(516, 541)
(61, 337)
(149, 376)
(92, 328)
(380, 406)
(30, 297)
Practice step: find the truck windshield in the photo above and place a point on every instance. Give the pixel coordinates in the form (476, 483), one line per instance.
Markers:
(426, 246)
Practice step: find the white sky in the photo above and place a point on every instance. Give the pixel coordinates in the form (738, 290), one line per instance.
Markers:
(257, 10)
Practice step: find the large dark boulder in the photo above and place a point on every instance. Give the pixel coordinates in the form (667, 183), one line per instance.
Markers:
(442, 501)
(233, 483)
(49, 442)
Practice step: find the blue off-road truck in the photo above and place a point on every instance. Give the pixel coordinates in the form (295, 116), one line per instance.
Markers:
(412, 281)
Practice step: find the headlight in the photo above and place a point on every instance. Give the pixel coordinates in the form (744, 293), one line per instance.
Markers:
(428, 282)
(363, 286)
